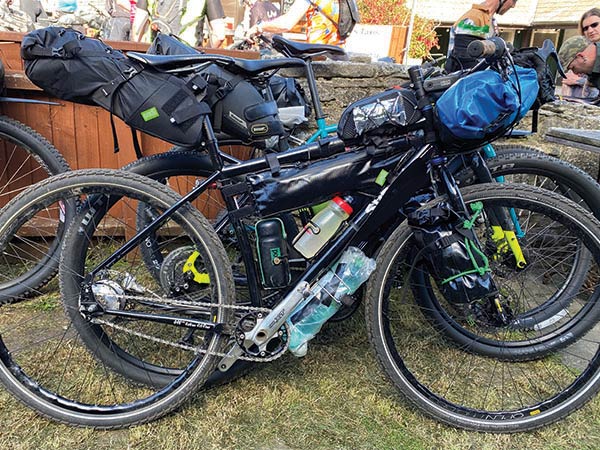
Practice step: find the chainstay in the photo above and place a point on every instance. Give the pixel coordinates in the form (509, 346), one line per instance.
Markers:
(196, 350)
(185, 303)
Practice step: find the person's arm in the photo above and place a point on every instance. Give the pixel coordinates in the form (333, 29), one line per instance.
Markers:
(285, 22)
(140, 22)
(217, 32)
(216, 19)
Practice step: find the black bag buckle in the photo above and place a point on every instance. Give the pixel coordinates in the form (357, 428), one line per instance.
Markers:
(222, 92)
(58, 52)
(130, 73)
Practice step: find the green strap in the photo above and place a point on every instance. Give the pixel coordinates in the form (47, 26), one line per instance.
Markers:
(470, 246)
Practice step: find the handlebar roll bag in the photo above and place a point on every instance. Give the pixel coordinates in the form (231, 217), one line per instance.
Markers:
(482, 106)
(70, 66)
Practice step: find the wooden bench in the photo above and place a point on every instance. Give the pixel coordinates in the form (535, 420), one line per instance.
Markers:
(588, 140)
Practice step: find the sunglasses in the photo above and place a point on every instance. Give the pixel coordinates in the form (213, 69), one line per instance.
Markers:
(591, 25)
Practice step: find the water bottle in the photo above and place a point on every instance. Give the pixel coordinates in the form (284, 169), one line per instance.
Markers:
(67, 6)
(322, 226)
(344, 278)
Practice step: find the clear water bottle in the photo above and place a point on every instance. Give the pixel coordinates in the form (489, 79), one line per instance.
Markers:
(344, 278)
(67, 6)
(322, 226)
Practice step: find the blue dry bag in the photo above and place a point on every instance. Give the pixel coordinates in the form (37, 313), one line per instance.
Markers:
(482, 106)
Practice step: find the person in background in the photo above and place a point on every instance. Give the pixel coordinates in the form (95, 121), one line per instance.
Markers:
(33, 8)
(589, 25)
(255, 12)
(178, 17)
(259, 11)
(584, 60)
(320, 28)
(13, 19)
(118, 27)
(476, 24)
(575, 86)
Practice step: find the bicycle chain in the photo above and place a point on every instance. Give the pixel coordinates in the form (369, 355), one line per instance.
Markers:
(170, 302)
(196, 350)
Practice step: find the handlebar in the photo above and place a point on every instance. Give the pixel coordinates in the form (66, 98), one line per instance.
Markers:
(494, 47)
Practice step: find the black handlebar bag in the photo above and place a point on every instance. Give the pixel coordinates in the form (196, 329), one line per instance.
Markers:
(70, 66)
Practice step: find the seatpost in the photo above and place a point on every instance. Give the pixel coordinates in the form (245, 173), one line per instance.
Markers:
(212, 145)
(314, 93)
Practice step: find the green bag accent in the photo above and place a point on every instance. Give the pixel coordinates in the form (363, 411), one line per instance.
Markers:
(380, 180)
(150, 114)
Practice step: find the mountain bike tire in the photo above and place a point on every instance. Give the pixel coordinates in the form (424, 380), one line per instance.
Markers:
(50, 356)
(30, 260)
(460, 385)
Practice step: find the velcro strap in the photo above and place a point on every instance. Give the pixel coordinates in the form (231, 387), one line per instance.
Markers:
(232, 190)
(273, 163)
(197, 84)
(190, 112)
(174, 102)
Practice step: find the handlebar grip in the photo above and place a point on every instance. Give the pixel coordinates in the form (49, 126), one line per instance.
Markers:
(487, 47)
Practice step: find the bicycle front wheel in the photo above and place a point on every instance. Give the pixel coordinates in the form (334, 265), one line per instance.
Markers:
(73, 362)
(29, 260)
(475, 372)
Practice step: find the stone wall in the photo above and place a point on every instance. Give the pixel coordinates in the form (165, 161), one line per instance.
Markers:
(341, 83)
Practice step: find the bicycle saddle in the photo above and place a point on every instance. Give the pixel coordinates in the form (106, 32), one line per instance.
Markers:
(245, 67)
(303, 50)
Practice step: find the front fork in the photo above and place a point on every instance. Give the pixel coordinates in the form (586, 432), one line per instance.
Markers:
(503, 221)
(503, 236)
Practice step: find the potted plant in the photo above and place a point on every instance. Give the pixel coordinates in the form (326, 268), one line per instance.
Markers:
(397, 14)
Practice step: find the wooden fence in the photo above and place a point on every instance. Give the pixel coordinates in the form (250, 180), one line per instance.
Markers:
(81, 133)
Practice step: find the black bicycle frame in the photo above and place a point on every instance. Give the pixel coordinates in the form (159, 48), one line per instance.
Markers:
(381, 213)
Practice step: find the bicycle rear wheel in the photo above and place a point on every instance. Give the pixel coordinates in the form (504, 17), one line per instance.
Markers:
(74, 362)
(474, 372)
(29, 260)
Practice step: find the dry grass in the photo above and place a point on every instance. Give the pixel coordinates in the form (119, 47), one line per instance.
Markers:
(334, 398)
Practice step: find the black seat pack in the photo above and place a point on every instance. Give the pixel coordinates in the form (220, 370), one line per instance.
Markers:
(70, 66)
(239, 108)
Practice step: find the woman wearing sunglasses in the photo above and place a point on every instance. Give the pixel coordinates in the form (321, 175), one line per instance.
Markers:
(589, 25)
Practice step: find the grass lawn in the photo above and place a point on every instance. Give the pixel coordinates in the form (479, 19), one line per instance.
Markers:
(334, 398)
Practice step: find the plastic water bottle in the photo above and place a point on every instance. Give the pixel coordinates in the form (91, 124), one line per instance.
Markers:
(344, 278)
(68, 6)
(322, 226)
